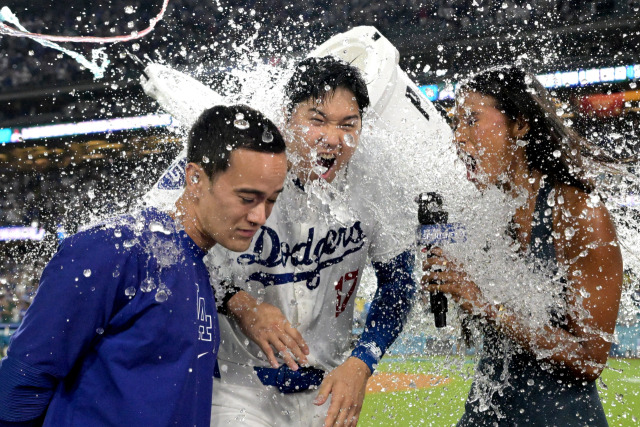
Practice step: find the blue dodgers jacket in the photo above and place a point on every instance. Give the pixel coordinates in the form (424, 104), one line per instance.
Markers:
(123, 331)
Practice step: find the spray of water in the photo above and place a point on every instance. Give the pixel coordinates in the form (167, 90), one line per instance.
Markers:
(99, 60)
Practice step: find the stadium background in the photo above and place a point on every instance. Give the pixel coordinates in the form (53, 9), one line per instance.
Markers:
(54, 178)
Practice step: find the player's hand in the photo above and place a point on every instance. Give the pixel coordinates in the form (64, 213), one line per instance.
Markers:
(445, 275)
(265, 325)
(347, 385)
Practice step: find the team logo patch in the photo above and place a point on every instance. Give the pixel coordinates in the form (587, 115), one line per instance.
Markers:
(173, 178)
(310, 258)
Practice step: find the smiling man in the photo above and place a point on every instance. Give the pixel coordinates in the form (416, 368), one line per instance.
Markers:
(295, 288)
(124, 328)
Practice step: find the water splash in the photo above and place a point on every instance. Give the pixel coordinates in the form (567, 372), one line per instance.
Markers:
(99, 60)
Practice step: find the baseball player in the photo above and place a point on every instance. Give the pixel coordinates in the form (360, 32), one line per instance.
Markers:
(123, 330)
(287, 355)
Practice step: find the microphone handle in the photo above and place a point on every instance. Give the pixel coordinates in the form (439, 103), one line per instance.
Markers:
(439, 305)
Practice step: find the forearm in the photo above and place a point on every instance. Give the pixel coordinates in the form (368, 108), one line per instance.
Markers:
(389, 308)
(225, 292)
(240, 304)
(551, 343)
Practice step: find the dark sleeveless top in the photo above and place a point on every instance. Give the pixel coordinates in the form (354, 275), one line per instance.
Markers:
(513, 388)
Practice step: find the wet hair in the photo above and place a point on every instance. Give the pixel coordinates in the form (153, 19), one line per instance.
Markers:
(552, 147)
(222, 129)
(312, 76)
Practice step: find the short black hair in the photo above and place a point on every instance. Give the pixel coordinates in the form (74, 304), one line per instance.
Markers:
(312, 76)
(221, 129)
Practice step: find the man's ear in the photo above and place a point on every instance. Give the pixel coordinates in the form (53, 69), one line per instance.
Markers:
(193, 175)
(520, 127)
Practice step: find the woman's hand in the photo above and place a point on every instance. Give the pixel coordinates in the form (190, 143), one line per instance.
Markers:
(444, 275)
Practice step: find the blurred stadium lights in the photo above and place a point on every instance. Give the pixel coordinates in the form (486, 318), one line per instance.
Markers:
(13, 135)
(553, 80)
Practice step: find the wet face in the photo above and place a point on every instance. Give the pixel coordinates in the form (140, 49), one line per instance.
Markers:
(485, 139)
(231, 206)
(324, 135)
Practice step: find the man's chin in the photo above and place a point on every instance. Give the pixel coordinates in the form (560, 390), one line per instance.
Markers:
(236, 245)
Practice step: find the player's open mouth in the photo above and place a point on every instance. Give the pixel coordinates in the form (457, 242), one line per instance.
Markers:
(326, 161)
(471, 165)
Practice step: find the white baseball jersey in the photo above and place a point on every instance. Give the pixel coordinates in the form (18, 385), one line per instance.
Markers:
(308, 261)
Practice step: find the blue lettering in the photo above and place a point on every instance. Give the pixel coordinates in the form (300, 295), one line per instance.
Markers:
(350, 239)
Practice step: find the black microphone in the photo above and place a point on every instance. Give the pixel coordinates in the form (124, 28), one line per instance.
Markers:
(433, 221)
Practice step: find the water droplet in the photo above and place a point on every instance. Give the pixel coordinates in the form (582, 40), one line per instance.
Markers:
(530, 382)
(135, 47)
(129, 10)
(632, 85)
(569, 232)
(240, 122)
(147, 285)
(267, 136)
(157, 227)
(129, 243)
(161, 295)
(99, 331)
(327, 88)
(205, 160)
(349, 140)
(229, 147)
(130, 291)
(117, 233)
(521, 142)
(556, 153)
(87, 273)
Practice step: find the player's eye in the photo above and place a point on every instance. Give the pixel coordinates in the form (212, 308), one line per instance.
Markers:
(247, 200)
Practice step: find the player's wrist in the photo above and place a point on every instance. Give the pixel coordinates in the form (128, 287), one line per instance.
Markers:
(362, 366)
(240, 303)
(365, 354)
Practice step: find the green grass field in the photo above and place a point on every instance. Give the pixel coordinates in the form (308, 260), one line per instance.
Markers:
(443, 405)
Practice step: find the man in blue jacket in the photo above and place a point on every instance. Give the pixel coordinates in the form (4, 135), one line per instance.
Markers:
(124, 328)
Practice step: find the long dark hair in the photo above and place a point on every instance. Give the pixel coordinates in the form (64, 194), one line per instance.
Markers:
(553, 148)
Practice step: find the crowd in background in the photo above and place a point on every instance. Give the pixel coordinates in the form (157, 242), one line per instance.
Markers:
(58, 201)
(208, 29)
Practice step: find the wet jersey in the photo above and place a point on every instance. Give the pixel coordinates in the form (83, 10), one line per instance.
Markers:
(123, 331)
(514, 388)
(308, 260)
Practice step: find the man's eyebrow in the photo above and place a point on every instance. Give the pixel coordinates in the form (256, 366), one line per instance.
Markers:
(254, 191)
(351, 117)
(315, 110)
(249, 191)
